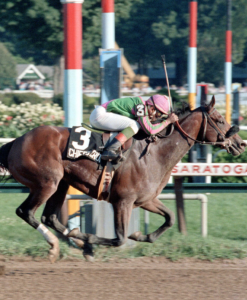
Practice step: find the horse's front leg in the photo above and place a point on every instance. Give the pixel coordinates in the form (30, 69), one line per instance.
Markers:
(155, 206)
(122, 213)
(27, 210)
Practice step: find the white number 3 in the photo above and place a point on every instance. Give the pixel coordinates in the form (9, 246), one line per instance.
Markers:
(140, 110)
(85, 137)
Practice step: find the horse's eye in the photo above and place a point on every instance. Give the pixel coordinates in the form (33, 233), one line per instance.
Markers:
(221, 122)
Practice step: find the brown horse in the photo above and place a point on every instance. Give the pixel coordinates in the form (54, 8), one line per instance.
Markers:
(38, 160)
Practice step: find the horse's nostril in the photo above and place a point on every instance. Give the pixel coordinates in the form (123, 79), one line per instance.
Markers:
(243, 144)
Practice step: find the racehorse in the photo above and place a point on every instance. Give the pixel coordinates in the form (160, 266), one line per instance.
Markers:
(38, 160)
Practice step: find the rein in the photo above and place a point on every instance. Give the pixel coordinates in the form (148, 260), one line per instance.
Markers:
(225, 143)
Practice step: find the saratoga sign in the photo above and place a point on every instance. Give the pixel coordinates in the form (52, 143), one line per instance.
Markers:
(214, 169)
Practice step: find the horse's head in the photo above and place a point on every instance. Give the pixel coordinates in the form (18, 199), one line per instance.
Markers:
(217, 130)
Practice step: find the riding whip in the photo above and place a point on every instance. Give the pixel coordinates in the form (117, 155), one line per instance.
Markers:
(167, 81)
(169, 94)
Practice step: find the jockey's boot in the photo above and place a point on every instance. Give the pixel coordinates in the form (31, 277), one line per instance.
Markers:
(112, 151)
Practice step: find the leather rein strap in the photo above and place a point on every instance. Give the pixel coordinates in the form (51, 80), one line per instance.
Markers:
(225, 143)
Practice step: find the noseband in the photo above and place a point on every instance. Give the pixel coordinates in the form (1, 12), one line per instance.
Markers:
(226, 143)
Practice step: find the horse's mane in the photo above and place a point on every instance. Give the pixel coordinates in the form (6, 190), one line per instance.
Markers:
(182, 112)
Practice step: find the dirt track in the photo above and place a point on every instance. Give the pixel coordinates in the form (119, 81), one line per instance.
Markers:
(141, 278)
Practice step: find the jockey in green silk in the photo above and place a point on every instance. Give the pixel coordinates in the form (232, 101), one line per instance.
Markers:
(128, 115)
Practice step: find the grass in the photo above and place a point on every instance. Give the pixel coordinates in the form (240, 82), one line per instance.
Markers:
(227, 232)
(17, 237)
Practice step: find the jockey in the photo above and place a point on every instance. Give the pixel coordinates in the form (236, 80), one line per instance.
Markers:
(128, 115)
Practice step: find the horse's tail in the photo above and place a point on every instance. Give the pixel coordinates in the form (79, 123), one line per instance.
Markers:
(4, 153)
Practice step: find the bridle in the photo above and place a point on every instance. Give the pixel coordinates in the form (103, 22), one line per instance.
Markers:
(226, 143)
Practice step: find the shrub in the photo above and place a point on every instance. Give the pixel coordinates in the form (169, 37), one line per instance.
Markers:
(88, 102)
(26, 97)
(58, 99)
(16, 98)
(7, 98)
(18, 119)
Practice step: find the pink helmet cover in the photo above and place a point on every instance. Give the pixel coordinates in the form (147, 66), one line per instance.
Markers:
(161, 103)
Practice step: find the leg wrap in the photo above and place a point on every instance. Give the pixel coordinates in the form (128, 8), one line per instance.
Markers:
(50, 237)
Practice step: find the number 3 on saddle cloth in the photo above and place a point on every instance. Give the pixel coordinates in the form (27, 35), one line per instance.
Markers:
(88, 142)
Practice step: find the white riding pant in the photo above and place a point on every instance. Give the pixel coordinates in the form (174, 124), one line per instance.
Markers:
(104, 120)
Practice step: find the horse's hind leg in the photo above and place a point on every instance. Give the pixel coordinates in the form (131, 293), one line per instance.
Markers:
(155, 206)
(53, 207)
(27, 210)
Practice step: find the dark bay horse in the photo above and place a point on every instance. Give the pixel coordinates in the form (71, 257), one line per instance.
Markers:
(38, 160)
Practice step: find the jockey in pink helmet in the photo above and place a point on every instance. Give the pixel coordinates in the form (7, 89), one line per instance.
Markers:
(128, 115)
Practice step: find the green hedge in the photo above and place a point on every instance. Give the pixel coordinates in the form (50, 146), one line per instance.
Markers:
(88, 102)
(16, 98)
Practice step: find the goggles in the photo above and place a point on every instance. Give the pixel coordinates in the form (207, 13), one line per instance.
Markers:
(158, 113)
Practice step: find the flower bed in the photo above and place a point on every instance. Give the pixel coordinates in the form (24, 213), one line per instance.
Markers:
(16, 120)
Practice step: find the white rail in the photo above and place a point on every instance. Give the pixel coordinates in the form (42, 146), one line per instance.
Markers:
(6, 140)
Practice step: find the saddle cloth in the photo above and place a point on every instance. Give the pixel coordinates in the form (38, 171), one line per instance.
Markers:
(89, 142)
(83, 142)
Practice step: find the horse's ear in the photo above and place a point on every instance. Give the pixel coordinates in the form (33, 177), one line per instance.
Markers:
(211, 104)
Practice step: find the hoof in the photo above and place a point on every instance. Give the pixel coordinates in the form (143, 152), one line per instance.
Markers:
(79, 243)
(73, 233)
(53, 255)
(134, 236)
(2, 270)
(89, 257)
(88, 252)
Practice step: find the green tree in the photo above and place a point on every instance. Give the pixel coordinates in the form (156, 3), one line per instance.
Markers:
(7, 68)
(92, 22)
(156, 28)
(212, 22)
(144, 28)
(161, 27)
(39, 24)
(35, 25)
(33, 30)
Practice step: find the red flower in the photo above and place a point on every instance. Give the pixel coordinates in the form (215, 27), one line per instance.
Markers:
(9, 118)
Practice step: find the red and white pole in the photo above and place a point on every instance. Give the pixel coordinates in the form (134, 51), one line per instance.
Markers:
(72, 10)
(108, 24)
(228, 63)
(192, 53)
